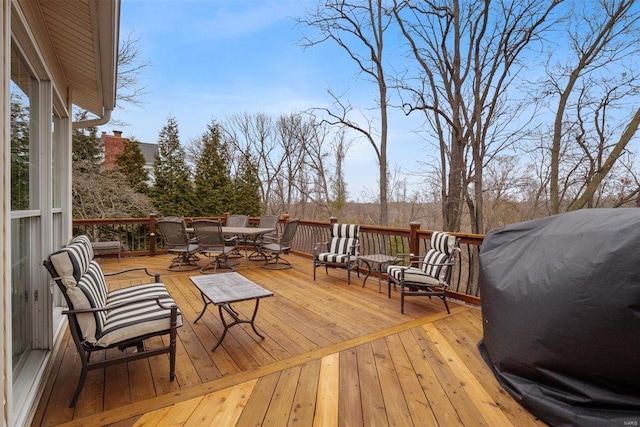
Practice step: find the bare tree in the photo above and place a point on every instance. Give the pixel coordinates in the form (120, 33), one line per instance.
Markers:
(468, 53)
(130, 68)
(595, 81)
(358, 27)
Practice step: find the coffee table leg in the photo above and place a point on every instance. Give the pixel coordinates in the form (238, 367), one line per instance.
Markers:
(380, 268)
(255, 313)
(206, 303)
(236, 319)
(364, 282)
(224, 323)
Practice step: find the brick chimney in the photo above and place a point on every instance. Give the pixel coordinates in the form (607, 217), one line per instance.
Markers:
(113, 147)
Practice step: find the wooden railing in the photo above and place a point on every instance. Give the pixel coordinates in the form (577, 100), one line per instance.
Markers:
(138, 237)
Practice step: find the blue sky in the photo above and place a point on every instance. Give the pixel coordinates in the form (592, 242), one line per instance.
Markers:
(214, 58)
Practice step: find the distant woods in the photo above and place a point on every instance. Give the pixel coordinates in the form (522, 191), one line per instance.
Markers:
(528, 108)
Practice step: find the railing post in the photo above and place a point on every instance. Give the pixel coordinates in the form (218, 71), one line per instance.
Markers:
(333, 220)
(414, 242)
(152, 234)
(226, 217)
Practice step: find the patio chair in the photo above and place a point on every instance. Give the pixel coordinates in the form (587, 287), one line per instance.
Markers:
(272, 248)
(177, 242)
(100, 319)
(236, 221)
(212, 244)
(429, 277)
(266, 221)
(341, 251)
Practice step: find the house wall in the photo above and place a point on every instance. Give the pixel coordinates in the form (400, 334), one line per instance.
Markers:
(31, 309)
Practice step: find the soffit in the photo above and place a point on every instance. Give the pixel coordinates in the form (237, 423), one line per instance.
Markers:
(83, 35)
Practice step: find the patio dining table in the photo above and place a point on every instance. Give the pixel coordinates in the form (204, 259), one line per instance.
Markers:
(247, 232)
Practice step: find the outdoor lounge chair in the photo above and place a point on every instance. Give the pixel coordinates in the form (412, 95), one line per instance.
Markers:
(341, 251)
(122, 318)
(272, 248)
(177, 242)
(429, 277)
(212, 244)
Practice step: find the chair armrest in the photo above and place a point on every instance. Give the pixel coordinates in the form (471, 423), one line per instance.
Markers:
(435, 264)
(268, 239)
(119, 305)
(156, 276)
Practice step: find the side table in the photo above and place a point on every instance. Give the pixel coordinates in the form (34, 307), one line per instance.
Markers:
(378, 263)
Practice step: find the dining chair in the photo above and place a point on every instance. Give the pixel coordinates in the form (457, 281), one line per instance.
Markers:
(273, 249)
(266, 221)
(177, 242)
(212, 244)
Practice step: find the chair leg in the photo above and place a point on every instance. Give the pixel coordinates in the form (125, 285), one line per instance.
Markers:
(81, 380)
(444, 298)
(172, 343)
(401, 299)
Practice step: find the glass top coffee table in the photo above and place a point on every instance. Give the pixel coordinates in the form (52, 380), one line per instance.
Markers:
(225, 289)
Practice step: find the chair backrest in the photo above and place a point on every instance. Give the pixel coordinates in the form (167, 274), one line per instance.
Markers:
(442, 251)
(269, 221)
(344, 239)
(209, 234)
(82, 282)
(174, 233)
(289, 232)
(237, 221)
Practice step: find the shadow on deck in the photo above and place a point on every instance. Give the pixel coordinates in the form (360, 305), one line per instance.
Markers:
(333, 354)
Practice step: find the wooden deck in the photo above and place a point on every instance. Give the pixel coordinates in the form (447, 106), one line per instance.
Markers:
(334, 355)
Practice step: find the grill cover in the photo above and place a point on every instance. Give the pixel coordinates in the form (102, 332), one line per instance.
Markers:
(561, 314)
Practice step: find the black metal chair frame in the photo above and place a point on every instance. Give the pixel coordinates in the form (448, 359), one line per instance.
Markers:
(412, 288)
(85, 350)
(177, 242)
(213, 245)
(272, 249)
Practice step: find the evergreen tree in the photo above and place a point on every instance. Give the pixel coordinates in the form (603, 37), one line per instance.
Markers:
(247, 188)
(131, 164)
(212, 175)
(19, 154)
(172, 190)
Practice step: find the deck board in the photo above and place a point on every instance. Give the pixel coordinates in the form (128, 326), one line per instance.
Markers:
(334, 354)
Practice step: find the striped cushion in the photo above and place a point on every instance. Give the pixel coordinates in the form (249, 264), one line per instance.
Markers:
(73, 261)
(343, 239)
(443, 242)
(431, 260)
(335, 258)
(136, 319)
(442, 246)
(411, 274)
(343, 245)
(345, 230)
(90, 292)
